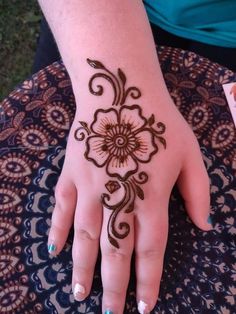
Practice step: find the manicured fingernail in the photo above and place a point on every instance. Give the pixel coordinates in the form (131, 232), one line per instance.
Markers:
(142, 307)
(209, 220)
(108, 312)
(78, 290)
(52, 248)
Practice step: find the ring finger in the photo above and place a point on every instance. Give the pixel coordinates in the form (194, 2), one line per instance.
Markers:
(151, 237)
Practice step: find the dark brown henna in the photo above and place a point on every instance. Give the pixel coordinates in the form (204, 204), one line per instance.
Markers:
(119, 140)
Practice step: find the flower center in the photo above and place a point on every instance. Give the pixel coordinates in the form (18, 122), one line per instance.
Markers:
(120, 141)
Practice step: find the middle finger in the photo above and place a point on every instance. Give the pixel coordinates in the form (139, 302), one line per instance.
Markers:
(115, 266)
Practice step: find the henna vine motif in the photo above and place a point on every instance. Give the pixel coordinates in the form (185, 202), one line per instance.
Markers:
(119, 139)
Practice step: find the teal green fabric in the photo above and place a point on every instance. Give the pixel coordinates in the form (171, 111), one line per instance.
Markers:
(208, 21)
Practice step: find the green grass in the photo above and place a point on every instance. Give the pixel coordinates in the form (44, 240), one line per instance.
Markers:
(19, 28)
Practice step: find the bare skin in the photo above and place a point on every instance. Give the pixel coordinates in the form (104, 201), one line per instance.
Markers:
(233, 91)
(117, 34)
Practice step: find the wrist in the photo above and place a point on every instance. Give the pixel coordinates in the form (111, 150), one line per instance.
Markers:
(99, 86)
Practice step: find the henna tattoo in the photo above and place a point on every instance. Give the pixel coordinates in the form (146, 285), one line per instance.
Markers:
(119, 139)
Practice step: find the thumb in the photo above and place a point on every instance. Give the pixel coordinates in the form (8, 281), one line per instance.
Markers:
(194, 186)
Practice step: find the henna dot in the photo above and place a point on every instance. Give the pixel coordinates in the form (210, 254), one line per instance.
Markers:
(107, 127)
(122, 159)
(104, 147)
(128, 125)
(137, 145)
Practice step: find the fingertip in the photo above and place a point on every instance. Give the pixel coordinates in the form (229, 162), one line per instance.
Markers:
(143, 307)
(79, 292)
(204, 226)
(52, 245)
(203, 220)
(147, 295)
(209, 223)
(52, 248)
(56, 240)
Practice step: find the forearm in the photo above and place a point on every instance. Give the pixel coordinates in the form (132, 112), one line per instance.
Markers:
(115, 32)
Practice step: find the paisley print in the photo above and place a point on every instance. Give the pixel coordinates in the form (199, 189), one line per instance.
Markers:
(15, 167)
(199, 270)
(7, 231)
(199, 117)
(9, 263)
(11, 298)
(223, 136)
(34, 138)
(57, 117)
(9, 197)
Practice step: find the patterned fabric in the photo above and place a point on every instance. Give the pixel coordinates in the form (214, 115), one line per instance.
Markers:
(199, 272)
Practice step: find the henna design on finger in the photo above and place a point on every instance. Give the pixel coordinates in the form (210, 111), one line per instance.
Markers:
(120, 139)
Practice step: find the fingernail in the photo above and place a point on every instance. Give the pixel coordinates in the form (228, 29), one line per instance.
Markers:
(142, 307)
(51, 248)
(108, 312)
(78, 290)
(209, 220)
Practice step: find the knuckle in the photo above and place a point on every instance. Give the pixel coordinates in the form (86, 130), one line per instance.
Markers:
(62, 192)
(156, 237)
(113, 294)
(82, 269)
(150, 254)
(58, 228)
(83, 234)
(116, 254)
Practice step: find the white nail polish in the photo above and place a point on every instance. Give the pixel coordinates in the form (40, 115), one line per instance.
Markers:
(142, 307)
(78, 289)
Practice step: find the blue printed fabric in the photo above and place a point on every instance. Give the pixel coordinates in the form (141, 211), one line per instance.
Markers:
(200, 267)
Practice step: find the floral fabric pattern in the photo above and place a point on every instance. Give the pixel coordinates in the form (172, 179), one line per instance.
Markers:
(199, 270)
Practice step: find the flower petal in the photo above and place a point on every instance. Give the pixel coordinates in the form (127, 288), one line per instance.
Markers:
(121, 169)
(147, 146)
(95, 151)
(132, 116)
(102, 119)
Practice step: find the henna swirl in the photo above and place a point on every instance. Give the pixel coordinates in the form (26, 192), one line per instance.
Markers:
(120, 140)
(79, 133)
(99, 91)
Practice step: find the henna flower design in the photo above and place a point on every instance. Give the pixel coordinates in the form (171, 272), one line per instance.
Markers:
(120, 139)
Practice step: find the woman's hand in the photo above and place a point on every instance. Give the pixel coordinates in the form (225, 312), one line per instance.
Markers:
(122, 160)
